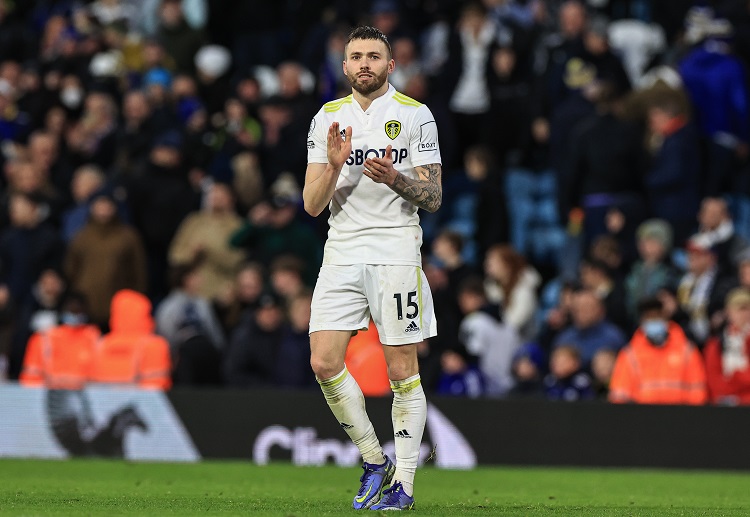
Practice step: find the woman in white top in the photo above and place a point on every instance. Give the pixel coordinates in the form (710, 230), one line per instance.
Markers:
(512, 284)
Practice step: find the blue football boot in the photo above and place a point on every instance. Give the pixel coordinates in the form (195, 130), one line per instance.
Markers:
(374, 479)
(394, 498)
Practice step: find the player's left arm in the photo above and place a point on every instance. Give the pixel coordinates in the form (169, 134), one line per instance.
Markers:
(426, 191)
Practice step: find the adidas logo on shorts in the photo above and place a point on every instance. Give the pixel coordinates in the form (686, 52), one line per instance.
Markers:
(403, 433)
(412, 327)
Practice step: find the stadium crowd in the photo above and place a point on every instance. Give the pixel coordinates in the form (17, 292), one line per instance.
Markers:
(593, 238)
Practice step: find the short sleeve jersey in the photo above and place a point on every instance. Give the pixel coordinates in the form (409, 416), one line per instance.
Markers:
(369, 223)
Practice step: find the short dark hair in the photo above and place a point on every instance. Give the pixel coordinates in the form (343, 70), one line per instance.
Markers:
(472, 285)
(367, 32)
(454, 238)
(650, 304)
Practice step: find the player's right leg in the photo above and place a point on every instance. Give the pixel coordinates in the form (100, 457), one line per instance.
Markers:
(339, 307)
(347, 403)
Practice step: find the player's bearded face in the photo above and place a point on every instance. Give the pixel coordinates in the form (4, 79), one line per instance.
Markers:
(367, 80)
(365, 73)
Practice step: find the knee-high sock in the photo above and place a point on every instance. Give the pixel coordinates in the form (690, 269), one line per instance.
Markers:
(409, 414)
(345, 399)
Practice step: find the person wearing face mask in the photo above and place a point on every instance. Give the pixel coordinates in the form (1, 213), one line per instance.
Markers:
(727, 355)
(60, 357)
(659, 365)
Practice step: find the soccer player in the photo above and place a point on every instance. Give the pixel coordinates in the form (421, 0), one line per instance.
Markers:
(374, 175)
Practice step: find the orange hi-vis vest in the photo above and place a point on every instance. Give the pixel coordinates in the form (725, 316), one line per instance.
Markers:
(670, 374)
(131, 354)
(366, 362)
(60, 357)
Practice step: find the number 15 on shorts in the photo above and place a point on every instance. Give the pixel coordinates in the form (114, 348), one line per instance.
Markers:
(412, 307)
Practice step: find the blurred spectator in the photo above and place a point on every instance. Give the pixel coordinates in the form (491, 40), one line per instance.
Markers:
(386, 18)
(659, 365)
(406, 55)
(447, 251)
(131, 354)
(716, 80)
(27, 178)
(459, 377)
(293, 358)
(213, 64)
(590, 331)
(716, 230)
(51, 168)
(599, 277)
(87, 180)
(105, 257)
(135, 134)
(157, 83)
(726, 355)
(698, 290)
(92, 138)
(560, 48)
(598, 53)
(727, 284)
(39, 313)
(490, 214)
(250, 360)
(483, 336)
(473, 203)
(160, 197)
(239, 131)
(528, 370)
(510, 91)
(60, 357)
(558, 318)
(602, 366)
(258, 30)
(287, 277)
(607, 250)
(465, 73)
(285, 125)
(16, 41)
(512, 284)
(27, 247)
(653, 271)
(185, 312)
(244, 295)
(205, 235)
(605, 169)
(566, 380)
(673, 179)
(180, 40)
(448, 314)
(365, 361)
(13, 122)
(273, 229)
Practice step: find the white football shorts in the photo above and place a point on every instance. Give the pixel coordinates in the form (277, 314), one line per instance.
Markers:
(397, 297)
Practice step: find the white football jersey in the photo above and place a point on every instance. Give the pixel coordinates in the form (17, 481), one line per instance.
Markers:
(369, 223)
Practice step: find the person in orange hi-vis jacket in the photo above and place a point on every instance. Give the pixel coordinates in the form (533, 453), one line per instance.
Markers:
(60, 357)
(131, 354)
(659, 365)
(366, 363)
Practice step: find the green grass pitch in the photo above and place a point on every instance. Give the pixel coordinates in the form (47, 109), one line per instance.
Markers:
(91, 487)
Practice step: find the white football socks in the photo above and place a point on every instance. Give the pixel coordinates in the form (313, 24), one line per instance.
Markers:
(408, 414)
(345, 399)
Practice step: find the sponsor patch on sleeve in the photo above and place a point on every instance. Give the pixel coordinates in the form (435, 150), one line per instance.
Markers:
(310, 144)
(428, 136)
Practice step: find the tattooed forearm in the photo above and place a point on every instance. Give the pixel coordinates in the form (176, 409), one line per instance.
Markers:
(425, 192)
